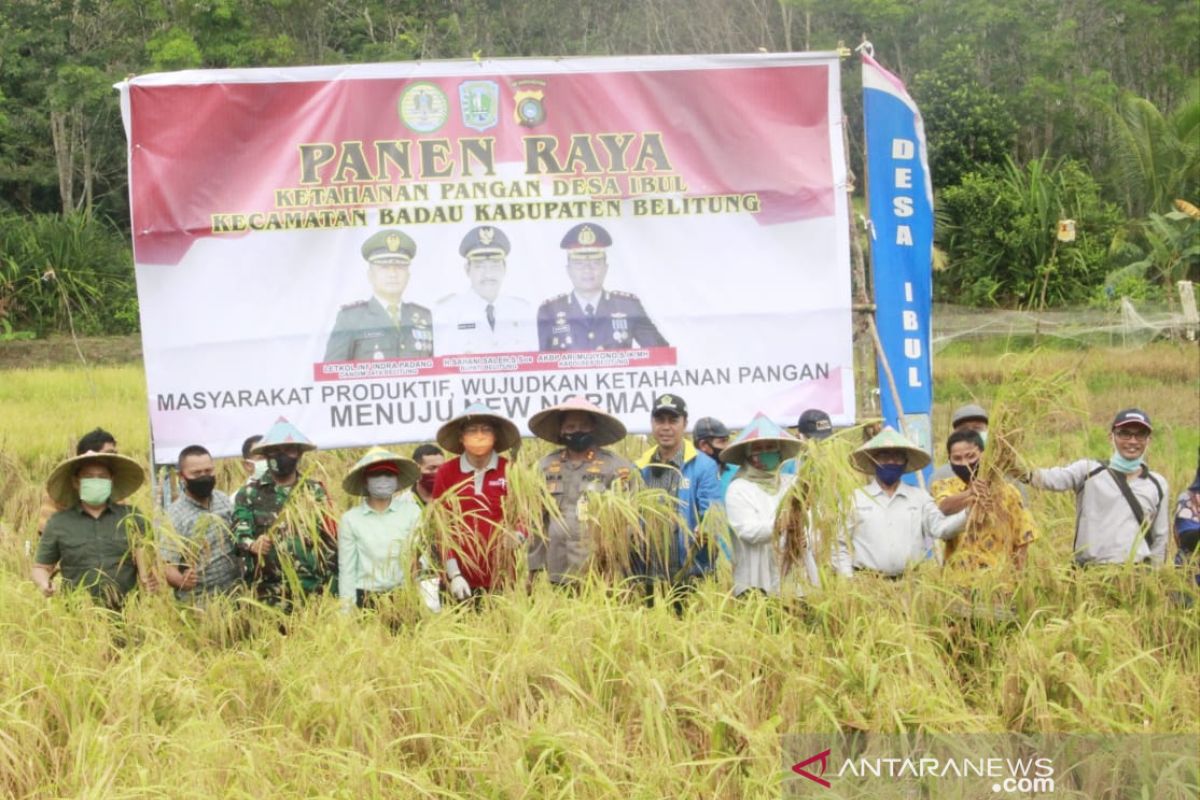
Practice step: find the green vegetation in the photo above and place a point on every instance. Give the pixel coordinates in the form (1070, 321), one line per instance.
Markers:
(551, 695)
(1099, 99)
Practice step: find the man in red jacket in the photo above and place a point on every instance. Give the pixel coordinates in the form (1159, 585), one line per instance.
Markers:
(471, 490)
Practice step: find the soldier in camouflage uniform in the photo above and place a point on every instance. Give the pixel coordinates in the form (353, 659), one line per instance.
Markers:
(383, 327)
(582, 466)
(591, 317)
(282, 523)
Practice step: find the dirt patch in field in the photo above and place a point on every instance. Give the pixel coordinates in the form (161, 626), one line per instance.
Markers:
(61, 350)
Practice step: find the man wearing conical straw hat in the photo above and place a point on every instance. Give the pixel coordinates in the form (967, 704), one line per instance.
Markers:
(753, 499)
(375, 537)
(892, 524)
(472, 488)
(285, 518)
(92, 539)
(581, 466)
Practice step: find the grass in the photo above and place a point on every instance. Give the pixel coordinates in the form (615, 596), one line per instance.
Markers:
(549, 695)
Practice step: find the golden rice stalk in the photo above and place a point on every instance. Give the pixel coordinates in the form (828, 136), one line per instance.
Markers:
(1188, 208)
(813, 512)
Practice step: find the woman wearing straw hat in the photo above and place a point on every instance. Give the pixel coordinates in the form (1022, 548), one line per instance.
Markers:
(582, 465)
(892, 525)
(92, 540)
(284, 512)
(752, 501)
(375, 536)
(471, 490)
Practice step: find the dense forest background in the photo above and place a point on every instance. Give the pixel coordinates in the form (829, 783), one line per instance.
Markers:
(1035, 111)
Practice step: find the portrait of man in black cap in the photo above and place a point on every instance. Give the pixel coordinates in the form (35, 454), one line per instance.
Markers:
(481, 319)
(590, 317)
(384, 326)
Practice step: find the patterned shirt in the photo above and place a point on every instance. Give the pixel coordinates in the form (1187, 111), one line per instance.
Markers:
(202, 541)
(986, 539)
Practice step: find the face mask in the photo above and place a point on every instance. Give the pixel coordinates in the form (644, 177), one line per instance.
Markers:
(95, 491)
(381, 487)
(479, 444)
(283, 464)
(260, 469)
(579, 441)
(889, 474)
(201, 488)
(427, 482)
(966, 472)
(1122, 464)
(770, 460)
(716, 454)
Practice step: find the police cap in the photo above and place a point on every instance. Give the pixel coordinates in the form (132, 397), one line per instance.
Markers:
(389, 247)
(484, 241)
(586, 239)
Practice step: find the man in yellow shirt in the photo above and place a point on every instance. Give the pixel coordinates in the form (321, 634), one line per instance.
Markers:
(993, 527)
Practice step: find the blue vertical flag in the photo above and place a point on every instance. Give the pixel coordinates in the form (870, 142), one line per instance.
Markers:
(900, 198)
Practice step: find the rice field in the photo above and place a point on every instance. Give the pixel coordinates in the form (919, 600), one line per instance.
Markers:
(542, 694)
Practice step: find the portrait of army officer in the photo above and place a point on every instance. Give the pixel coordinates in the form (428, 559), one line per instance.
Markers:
(384, 326)
(481, 319)
(591, 317)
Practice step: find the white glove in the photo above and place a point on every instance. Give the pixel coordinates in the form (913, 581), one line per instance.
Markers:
(429, 594)
(459, 587)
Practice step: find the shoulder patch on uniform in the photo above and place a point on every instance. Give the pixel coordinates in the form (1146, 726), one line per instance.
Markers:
(554, 299)
(359, 304)
(626, 295)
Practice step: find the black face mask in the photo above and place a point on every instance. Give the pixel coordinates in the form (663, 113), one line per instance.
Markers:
(966, 472)
(201, 488)
(716, 452)
(579, 441)
(283, 464)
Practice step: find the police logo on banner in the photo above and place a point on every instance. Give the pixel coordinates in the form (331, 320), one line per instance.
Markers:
(424, 107)
(479, 102)
(529, 109)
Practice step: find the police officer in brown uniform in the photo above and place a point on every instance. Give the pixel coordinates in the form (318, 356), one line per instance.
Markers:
(580, 467)
(591, 317)
(384, 326)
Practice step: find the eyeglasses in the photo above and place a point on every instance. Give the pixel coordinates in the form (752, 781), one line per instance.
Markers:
(1126, 435)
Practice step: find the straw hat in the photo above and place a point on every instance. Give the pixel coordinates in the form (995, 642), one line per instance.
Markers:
(547, 424)
(283, 433)
(507, 435)
(127, 476)
(889, 439)
(355, 482)
(760, 429)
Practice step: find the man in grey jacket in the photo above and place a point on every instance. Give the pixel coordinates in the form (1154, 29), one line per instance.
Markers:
(1121, 508)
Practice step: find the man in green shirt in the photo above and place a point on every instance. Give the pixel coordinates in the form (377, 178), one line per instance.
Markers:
(92, 540)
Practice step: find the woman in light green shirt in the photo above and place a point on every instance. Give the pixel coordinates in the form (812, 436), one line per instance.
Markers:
(375, 536)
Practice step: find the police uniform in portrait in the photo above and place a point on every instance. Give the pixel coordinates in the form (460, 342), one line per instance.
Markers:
(591, 317)
(480, 319)
(384, 326)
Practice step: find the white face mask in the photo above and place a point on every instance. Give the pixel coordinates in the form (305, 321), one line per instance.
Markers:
(381, 487)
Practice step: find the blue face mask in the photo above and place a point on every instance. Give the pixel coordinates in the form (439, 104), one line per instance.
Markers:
(770, 461)
(889, 474)
(1122, 464)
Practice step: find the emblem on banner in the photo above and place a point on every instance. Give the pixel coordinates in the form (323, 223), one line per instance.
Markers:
(529, 109)
(423, 107)
(479, 102)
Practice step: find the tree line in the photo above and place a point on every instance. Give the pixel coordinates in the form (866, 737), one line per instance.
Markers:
(1035, 111)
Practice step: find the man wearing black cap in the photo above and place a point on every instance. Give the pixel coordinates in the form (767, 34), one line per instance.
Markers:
(690, 477)
(481, 320)
(384, 326)
(711, 437)
(1121, 507)
(813, 424)
(590, 317)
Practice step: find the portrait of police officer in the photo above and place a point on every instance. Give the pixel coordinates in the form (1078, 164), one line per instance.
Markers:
(481, 319)
(590, 317)
(385, 326)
